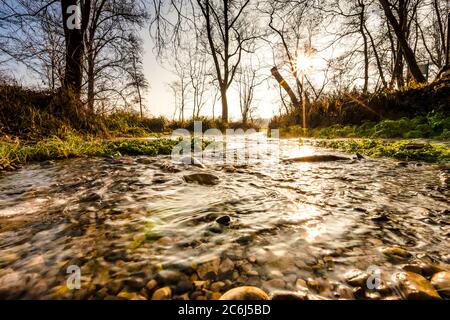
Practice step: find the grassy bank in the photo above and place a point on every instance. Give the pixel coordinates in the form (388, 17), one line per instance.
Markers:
(14, 154)
(434, 126)
(401, 150)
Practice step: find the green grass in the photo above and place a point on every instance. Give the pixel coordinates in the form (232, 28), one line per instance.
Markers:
(13, 154)
(398, 150)
(434, 126)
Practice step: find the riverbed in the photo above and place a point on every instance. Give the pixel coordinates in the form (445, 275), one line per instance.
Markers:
(134, 225)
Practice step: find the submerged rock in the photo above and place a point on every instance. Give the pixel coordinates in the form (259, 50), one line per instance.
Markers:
(441, 281)
(245, 293)
(415, 287)
(396, 252)
(208, 269)
(224, 220)
(317, 158)
(202, 179)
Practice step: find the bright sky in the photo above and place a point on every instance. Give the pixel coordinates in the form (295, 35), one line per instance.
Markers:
(160, 100)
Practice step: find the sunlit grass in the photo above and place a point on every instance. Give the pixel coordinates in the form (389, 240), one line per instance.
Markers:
(380, 148)
(15, 153)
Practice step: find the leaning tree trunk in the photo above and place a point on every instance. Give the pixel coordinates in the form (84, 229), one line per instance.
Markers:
(406, 49)
(288, 90)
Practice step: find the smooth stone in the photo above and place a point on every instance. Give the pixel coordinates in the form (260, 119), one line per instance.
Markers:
(216, 296)
(344, 292)
(226, 267)
(205, 179)
(217, 286)
(356, 278)
(208, 269)
(396, 252)
(301, 284)
(162, 294)
(224, 220)
(287, 295)
(275, 284)
(151, 285)
(245, 293)
(415, 287)
(130, 296)
(317, 158)
(441, 281)
(170, 277)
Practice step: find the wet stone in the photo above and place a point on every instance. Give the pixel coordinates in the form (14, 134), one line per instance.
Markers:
(162, 294)
(396, 253)
(441, 281)
(245, 293)
(217, 286)
(208, 269)
(288, 295)
(226, 268)
(170, 277)
(205, 179)
(224, 220)
(356, 278)
(414, 286)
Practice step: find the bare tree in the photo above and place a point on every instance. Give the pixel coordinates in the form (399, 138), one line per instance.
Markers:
(222, 27)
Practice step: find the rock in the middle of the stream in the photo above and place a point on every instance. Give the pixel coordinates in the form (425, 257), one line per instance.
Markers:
(317, 158)
(202, 178)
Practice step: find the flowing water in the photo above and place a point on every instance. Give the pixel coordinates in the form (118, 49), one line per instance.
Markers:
(123, 221)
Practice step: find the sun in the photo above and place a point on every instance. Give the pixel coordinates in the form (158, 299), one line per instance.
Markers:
(304, 62)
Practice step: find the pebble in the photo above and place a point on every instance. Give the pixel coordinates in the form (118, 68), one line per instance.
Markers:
(356, 278)
(217, 286)
(125, 295)
(441, 281)
(275, 284)
(226, 268)
(205, 179)
(415, 287)
(151, 285)
(288, 295)
(170, 277)
(344, 292)
(396, 252)
(162, 294)
(224, 220)
(245, 293)
(209, 269)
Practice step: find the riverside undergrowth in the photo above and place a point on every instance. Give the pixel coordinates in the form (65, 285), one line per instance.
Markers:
(401, 150)
(433, 126)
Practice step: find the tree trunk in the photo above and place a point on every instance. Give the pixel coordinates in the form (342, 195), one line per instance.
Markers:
(406, 49)
(91, 83)
(366, 46)
(74, 51)
(288, 90)
(224, 99)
